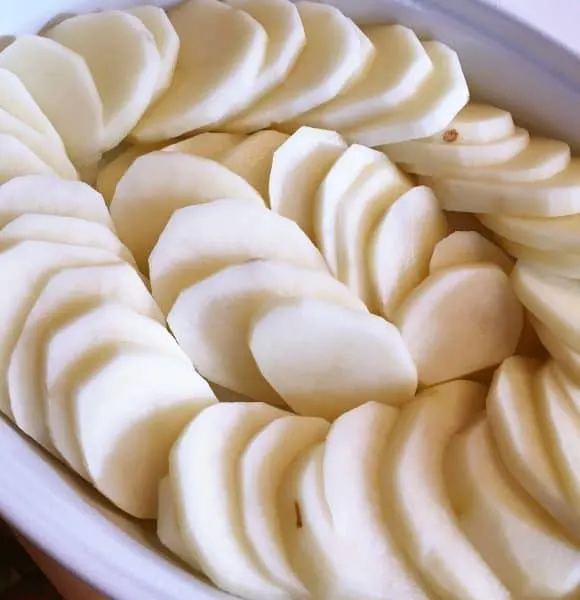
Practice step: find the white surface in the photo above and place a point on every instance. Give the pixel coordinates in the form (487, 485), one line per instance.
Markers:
(504, 61)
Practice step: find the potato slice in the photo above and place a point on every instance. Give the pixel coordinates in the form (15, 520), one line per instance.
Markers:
(204, 473)
(264, 465)
(558, 196)
(202, 239)
(552, 300)
(67, 294)
(434, 105)
(70, 100)
(517, 427)
(401, 246)
(465, 247)
(208, 84)
(211, 319)
(324, 359)
(335, 56)
(369, 559)
(52, 196)
(166, 41)
(563, 264)
(159, 183)
(460, 320)
(78, 347)
(17, 160)
(298, 168)
(426, 526)
(124, 61)
(523, 545)
(252, 159)
(399, 68)
(128, 413)
(567, 358)
(212, 144)
(65, 230)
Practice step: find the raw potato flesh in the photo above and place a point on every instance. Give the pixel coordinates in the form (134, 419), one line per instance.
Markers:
(127, 415)
(79, 346)
(324, 359)
(460, 320)
(343, 179)
(18, 160)
(401, 246)
(61, 83)
(541, 159)
(426, 526)
(166, 41)
(52, 196)
(567, 358)
(209, 84)
(25, 267)
(65, 296)
(212, 144)
(264, 465)
(124, 62)
(252, 158)
(555, 301)
(159, 183)
(400, 66)
(202, 239)
(525, 548)
(286, 40)
(335, 56)
(517, 427)
(558, 196)
(211, 320)
(370, 563)
(65, 230)
(298, 168)
(465, 247)
(205, 478)
(434, 105)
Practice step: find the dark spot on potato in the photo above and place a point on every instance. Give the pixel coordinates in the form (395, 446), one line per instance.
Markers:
(451, 135)
(298, 515)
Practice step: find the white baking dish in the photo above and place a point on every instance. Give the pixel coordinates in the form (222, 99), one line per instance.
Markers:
(506, 63)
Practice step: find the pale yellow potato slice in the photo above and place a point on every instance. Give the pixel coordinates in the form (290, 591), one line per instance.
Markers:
(401, 246)
(460, 320)
(159, 183)
(18, 160)
(434, 105)
(555, 197)
(298, 168)
(465, 247)
(252, 159)
(400, 66)
(567, 358)
(528, 551)
(551, 299)
(209, 83)
(69, 100)
(212, 144)
(426, 526)
(66, 295)
(336, 55)
(324, 359)
(166, 41)
(211, 320)
(204, 474)
(265, 463)
(200, 240)
(517, 426)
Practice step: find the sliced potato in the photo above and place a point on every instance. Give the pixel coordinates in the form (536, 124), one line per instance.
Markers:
(212, 144)
(18, 160)
(460, 320)
(566, 357)
(564, 264)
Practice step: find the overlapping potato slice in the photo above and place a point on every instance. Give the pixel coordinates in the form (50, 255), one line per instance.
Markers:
(324, 359)
(18, 160)
(567, 358)
(522, 544)
(444, 316)
(200, 240)
(211, 319)
(425, 524)
(159, 183)
(209, 84)
(335, 56)
(61, 84)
